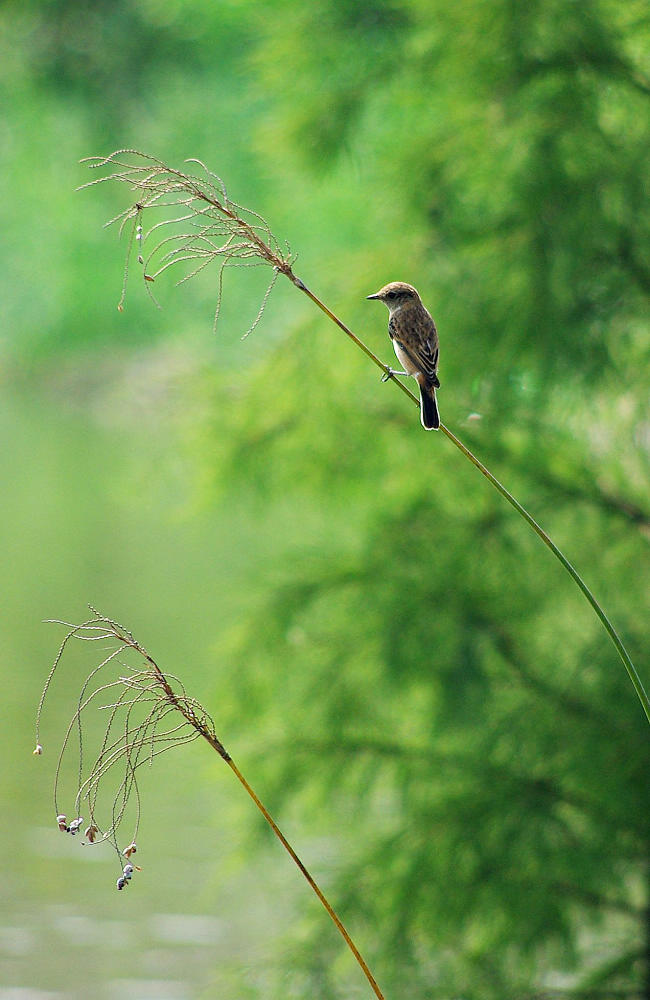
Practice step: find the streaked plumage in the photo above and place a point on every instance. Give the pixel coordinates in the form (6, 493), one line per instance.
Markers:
(415, 341)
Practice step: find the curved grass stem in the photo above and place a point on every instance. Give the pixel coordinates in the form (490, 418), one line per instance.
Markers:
(249, 238)
(206, 730)
(310, 879)
(571, 570)
(159, 695)
(521, 510)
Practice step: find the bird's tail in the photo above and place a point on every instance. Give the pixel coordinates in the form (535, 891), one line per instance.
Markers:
(429, 407)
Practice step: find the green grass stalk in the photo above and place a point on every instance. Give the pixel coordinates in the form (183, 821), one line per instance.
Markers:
(521, 510)
(231, 234)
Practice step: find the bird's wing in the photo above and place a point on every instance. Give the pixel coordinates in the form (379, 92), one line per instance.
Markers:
(422, 352)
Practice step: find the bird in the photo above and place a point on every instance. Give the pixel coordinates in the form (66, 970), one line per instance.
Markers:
(415, 341)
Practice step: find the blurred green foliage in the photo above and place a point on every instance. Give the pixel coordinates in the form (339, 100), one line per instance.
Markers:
(418, 684)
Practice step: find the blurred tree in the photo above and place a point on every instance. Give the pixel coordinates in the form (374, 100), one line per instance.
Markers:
(434, 677)
(436, 683)
(515, 136)
(424, 685)
(106, 53)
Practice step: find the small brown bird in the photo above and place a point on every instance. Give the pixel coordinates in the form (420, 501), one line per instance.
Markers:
(415, 341)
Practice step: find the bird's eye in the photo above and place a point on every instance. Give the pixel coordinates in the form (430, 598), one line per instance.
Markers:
(390, 295)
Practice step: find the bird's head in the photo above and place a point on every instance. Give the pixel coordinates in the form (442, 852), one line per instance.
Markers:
(396, 295)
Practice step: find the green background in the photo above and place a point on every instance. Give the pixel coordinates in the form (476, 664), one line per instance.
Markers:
(405, 675)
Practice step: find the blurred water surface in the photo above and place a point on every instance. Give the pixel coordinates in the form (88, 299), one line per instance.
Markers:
(71, 533)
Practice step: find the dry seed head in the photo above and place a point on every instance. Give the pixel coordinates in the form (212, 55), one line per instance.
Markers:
(205, 226)
(145, 712)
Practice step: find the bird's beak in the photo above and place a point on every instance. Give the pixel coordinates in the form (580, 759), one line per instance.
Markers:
(375, 296)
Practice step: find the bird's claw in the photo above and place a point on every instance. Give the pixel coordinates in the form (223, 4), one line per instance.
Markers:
(390, 373)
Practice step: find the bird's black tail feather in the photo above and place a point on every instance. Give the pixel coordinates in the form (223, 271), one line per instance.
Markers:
(429, 408)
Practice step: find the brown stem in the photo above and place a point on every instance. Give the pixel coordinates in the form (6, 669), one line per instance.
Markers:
(312, 882)
(207, 733)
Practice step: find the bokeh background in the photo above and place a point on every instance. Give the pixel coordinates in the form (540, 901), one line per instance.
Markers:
(406, 676)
